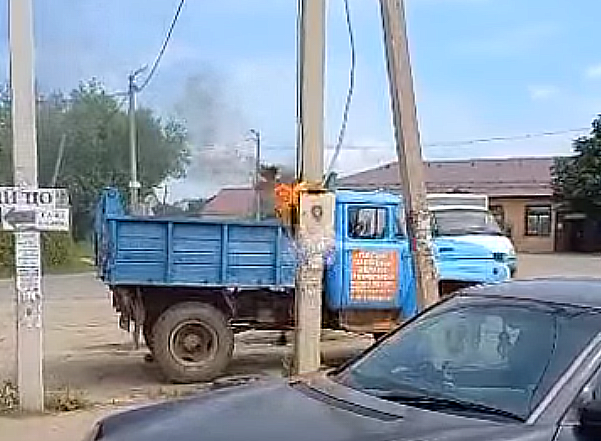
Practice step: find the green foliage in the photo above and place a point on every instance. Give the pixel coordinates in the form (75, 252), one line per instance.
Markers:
(577, 179)
(96, 149)
(7, 255)
(58, 249)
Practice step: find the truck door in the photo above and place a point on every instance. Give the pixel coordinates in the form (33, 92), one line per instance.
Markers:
(375, 258)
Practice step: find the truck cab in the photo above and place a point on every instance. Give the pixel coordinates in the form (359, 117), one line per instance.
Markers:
(369, 281)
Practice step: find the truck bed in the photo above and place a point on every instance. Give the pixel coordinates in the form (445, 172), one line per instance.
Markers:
(143, 251)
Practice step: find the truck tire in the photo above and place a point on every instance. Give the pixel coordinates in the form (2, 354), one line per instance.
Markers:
(192, 342)
(147, 332)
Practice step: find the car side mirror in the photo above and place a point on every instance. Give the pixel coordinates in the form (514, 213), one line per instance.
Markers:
(590, 416)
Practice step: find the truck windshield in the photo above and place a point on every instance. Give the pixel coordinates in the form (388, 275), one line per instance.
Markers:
(462, 221)
(501, 356)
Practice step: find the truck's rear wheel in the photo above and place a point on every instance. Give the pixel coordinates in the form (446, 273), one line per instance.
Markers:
(192, 342)
(147, 332)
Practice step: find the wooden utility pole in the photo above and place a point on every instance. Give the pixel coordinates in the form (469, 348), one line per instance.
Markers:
(402, 98)
(316, 207)
(25, 162)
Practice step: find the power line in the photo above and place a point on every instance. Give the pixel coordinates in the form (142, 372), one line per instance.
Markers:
(117, 94)
(351, 89)
(463, 143)
(157, 61)
(504, 138)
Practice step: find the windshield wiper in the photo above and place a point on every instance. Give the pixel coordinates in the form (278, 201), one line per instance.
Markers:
(435, 402)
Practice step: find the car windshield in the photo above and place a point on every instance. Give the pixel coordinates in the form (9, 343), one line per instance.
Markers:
(502, 356)
(461, 222)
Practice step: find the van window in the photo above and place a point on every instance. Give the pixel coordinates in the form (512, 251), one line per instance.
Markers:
(367, 222)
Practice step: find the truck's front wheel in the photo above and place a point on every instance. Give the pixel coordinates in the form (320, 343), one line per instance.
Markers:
(192, 342)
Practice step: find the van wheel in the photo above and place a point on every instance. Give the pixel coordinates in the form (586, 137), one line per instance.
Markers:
(192, 342)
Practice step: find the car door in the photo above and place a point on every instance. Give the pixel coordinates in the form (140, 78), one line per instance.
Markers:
(376, 257)
(570, 428)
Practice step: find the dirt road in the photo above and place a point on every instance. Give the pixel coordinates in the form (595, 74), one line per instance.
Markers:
(85, 350)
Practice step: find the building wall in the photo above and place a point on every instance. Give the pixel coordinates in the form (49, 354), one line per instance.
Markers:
(515, 210)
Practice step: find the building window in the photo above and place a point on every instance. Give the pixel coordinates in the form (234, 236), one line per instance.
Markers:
(538, 220)
(367, 223)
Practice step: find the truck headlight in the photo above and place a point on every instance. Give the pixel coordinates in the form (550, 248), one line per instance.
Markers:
(499, 257)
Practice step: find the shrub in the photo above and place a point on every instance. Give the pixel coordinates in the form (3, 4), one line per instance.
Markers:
(58, 249)
(7, 256)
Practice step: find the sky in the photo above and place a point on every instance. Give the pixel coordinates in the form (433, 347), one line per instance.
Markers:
(482, 68)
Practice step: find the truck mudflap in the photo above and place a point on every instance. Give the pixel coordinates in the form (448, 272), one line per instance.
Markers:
(369, 321)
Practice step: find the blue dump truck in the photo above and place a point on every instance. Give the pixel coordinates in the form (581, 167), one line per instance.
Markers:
(188, 285)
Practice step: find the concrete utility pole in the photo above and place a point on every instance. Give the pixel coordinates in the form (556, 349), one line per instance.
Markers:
(257, 139)
(316, 207)
(134, 184)
(25, 162)
(59, 160)
(402, 98)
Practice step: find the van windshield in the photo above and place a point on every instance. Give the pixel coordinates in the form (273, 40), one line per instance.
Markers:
(464, 221)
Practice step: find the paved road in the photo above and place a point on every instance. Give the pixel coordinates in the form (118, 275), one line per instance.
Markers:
(550, 265)
(84, 349)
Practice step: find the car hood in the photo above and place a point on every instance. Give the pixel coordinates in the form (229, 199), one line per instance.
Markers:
(301, 411)
(473, 246)
(496, 244)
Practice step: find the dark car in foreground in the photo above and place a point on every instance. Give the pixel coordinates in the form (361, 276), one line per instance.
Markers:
(515, 361)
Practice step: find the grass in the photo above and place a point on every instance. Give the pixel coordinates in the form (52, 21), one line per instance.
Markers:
(9, 397)
(65, 400)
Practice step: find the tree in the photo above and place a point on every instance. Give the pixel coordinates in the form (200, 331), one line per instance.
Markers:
(96, 149)
(577, 179)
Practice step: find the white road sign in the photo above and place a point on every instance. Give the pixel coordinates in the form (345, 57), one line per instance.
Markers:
(34, 197)
(28, 259)
(39, 209)
(57, 219)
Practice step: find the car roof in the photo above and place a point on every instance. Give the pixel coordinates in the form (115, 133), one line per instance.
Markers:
(581, 292)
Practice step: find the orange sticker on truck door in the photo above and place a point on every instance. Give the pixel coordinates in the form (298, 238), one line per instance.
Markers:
(374, 276)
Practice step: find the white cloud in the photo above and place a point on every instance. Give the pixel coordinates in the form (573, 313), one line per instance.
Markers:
(542, 92)
(594, 71)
